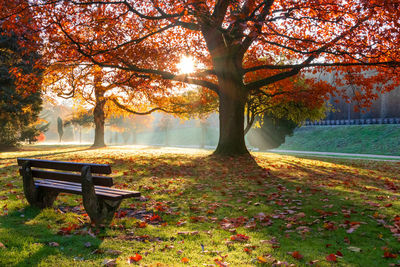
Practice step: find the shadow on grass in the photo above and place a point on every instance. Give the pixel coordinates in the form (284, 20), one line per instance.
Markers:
(221, 188)
(28, 242)
(50, 154)
(247, 188)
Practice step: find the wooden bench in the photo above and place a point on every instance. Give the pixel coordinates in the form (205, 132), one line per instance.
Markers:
(99, 199)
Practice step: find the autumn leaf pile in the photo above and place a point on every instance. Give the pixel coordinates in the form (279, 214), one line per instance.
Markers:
(201, 210)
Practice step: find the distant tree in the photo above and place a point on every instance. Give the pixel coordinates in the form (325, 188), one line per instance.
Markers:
(80, 120)
(165, 126)
(203, 124)
(60, 129)
(136, 124)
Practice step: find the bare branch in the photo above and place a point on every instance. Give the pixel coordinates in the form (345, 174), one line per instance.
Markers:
(123, 107)
(294, 71)
(163, 74)
(282, 67)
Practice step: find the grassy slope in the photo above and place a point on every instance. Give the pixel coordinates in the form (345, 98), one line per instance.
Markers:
(309, 206)
(372, 139)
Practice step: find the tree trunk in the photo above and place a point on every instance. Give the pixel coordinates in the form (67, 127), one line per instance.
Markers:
(231, 123)
(99, 118)
(232, 101)
(98, 114)
(227, 58)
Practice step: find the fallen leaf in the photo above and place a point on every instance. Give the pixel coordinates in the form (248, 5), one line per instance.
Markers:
(221, 263)
(354, 249)
(135, 258)
(387, 254)
(331, 257)
(109, 262)
(240, 238)
(141, 224)
(113, 252)
(54, 244)
(296, 255)
(261, 259)
(185, 260)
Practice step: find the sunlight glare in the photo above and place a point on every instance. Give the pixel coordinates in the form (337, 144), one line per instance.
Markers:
(186, 65)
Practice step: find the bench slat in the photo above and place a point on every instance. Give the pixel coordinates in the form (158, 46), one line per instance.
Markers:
(98, 187)
(66, 166)
(77, 191)
(102, 191)
(70, 177)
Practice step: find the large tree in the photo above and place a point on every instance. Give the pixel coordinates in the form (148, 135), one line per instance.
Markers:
(20, 99)
(242, 47)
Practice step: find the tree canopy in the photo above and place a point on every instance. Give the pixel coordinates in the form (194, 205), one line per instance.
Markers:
(240, 47)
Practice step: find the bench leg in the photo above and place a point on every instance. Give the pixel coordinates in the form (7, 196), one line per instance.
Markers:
(100, 211)
(37, 197)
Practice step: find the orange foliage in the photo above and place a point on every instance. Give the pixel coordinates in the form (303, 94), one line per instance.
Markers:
(241, 47)
(150, 37)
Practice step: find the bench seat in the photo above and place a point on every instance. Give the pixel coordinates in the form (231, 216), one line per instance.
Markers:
(76, 188)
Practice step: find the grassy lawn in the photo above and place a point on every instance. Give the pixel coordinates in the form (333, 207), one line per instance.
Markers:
(368, 139)
(200, 210)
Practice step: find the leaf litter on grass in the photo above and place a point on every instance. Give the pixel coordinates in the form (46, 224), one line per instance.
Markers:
(272, 210)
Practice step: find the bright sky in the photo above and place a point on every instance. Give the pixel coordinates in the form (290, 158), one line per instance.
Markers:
(186, 65)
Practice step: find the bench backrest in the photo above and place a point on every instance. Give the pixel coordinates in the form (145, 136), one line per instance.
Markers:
(35, 164)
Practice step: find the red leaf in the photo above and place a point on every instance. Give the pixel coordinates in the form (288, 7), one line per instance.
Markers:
(135, 258)
(120, 214)
(297, 255)
(331, 257)
(338, 253)
(141, 224)
(155, 217)
(239, 238)
(387, 254)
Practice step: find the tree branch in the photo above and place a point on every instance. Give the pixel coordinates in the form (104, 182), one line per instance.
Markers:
(282, 67)
(295, 70)
(163, 74)
(220, 8)
(123, 107)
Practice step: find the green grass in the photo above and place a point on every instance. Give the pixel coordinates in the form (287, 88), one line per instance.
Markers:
(308, 205)
(368, 139)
